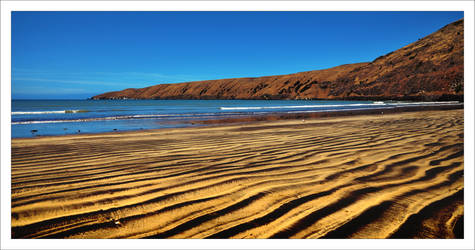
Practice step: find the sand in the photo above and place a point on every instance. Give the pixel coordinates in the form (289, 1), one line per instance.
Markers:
(367, 176)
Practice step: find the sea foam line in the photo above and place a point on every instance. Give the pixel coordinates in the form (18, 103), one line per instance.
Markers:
(300, 106)
(187, 115)
(125, 117)
(74, 120)
(338, 105)
(48, 112)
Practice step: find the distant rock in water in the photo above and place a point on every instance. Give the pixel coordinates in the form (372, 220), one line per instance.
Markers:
(427, 70)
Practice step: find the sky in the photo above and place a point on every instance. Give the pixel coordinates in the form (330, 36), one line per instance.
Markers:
(76, 55)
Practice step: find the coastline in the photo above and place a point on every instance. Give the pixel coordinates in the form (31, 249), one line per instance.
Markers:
(274, 116)
(351, 176)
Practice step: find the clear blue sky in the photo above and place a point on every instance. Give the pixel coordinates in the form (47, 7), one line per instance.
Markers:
(63, 55)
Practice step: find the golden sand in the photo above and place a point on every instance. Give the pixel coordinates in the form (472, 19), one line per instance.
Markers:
(369, 176)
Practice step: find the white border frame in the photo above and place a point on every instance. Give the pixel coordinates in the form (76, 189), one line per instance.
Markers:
(7, 7)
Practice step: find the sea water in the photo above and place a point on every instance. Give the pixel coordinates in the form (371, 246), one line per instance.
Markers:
(59, 117)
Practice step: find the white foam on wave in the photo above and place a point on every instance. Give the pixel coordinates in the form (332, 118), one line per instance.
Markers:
(47, 112)
(112, 118)
(146, 116)
(165, 116)
(292, 107)
(333, 110)
(377, 103)
(39, 122)
(78, 120)
(424, 103)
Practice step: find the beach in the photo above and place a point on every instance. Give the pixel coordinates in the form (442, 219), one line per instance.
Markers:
(396, 175)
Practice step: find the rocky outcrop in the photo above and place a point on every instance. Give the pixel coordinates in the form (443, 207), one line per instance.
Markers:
(428, 69)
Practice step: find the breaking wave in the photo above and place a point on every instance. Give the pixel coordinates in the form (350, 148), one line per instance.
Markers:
(377, 103)
(48, 112)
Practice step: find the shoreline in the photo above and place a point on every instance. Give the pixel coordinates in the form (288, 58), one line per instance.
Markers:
(245, 119)
(335, 113)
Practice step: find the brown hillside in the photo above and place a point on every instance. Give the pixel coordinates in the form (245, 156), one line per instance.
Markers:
(429, 69)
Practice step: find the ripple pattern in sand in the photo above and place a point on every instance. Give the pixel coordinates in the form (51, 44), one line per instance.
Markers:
(391, 176)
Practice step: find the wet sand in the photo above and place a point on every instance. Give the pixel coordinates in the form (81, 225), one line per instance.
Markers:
(395, 175)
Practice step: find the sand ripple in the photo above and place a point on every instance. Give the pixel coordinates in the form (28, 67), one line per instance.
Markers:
(380, 176)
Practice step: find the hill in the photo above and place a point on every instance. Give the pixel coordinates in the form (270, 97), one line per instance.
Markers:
(428, 69)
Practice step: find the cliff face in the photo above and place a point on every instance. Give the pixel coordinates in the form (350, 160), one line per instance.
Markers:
(429, 69)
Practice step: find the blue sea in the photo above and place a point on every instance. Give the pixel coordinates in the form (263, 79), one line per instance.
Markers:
(31, 118)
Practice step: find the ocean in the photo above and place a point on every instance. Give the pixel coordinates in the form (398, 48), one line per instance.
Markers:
(31, 118)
